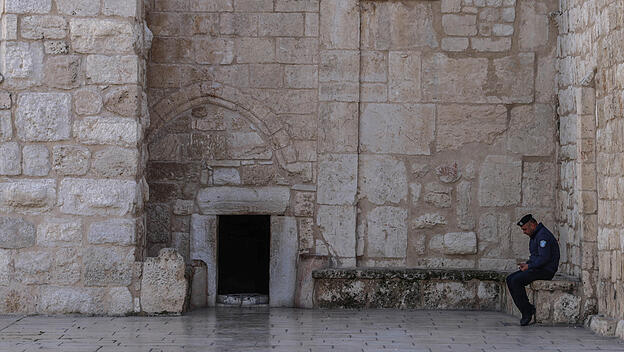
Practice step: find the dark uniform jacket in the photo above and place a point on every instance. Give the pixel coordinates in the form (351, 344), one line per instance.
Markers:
(544, 250)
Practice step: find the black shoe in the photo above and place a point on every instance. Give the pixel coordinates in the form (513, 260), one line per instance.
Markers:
(527, 318)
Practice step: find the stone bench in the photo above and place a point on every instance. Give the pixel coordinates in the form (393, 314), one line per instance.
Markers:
(558, 301)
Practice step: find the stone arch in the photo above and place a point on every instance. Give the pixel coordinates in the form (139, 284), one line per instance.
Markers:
(268, 125)
(177, 176)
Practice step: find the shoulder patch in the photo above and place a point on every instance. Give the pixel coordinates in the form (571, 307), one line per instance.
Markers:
(543, 243)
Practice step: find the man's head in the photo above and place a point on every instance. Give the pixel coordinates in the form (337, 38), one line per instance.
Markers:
(528, 224)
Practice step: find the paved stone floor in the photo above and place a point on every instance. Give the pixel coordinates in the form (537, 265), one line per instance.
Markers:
(261, 329)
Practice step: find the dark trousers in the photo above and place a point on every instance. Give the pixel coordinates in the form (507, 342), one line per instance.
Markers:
(516, 282)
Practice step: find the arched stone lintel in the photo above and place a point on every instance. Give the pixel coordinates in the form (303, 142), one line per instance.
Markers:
(267, 123)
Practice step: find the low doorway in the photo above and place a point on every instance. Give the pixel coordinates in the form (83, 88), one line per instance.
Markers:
(244, 245)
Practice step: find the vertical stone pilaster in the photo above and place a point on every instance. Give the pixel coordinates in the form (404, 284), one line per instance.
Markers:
(72, 127)
(339, 95)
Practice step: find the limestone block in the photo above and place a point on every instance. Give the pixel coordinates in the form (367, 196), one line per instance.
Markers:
(454, 79)
(428, 221)
(10, 159)
(212, 5)
(107, 130)
(56, 47)
(401, 129)
(301, 76)
(87, 101)
(5, 269)
(255, 50)
(125, 100)
(98, 197)
(602, 325)
(247, 145)
(297, 5)
(383, 179)
(227, 200)
(304, 203)
(6, 127)
(116, 162)
(397, 26)
(36, 160)
(500, 29)
(497, 264)
(43, 116)
(387, 232)
(183, 207)
(306, 235)
(337, 179)
(115, 231)
(297, 50)
(438, 195)
(465, 220)
(493, 233)
(70, 159)
(460, 243)
(451, 6)
(339, 91)
(61, 267)
(266, 76)
(534, 25)
(311, 24)
(339, 24)
(120, 301)
(43, 27)
(415, 190)
(59, 232)
(619, 330)
(538, 183)
(78, 7)
(374, 66)
(28, 6)
(213, 51)
(105, 266)
(460, 124)
(454, 44)
(532, 130)
(122, 8)
(500, 181)
(463, 25)
(337, 228)
(226, 176)
(27, 196)
(339, 65)
(22, 61)
(112, 69)
(253, 5)
(67, 300)
(338, 127)
(163, 286)
(404, 76)
(283, 262)
(8, 25)
(16, 232)
(515, 79)
(280, 24)
(203, 246)
(448, 295)
(491, 44)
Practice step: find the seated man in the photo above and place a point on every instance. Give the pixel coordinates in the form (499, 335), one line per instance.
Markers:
(542, 265)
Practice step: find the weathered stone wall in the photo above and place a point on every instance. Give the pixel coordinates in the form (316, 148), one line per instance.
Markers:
(402, 134)
(71, 129)
(591, 107)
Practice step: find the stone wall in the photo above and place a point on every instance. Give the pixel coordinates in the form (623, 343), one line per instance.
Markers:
(71, 130)
(404, 134)
(591, 107)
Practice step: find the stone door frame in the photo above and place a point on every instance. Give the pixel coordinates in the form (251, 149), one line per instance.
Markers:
(282, 262)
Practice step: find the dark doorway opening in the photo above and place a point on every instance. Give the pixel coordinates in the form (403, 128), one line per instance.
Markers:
(244, 252)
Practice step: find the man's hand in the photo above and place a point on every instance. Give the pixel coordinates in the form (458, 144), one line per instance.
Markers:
(523, 266)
